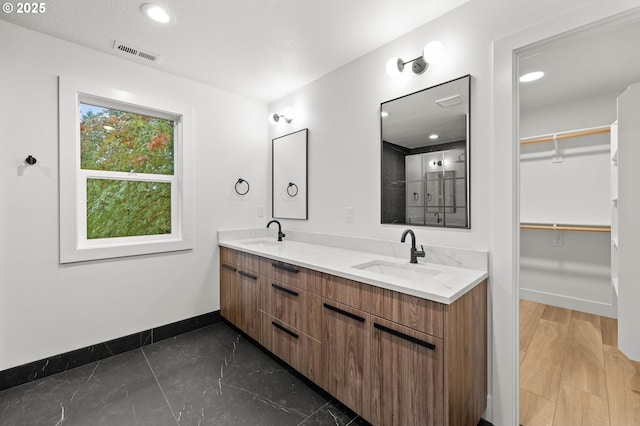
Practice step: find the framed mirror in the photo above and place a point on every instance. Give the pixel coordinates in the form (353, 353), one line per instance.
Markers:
(289, 176)
(425, 156)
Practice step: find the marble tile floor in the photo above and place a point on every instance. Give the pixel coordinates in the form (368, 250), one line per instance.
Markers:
(211, 376)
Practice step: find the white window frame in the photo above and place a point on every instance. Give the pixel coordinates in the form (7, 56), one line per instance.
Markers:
(74, 245)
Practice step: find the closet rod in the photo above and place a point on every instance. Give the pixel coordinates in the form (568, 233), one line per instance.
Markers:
(585, 228)
(565, 135)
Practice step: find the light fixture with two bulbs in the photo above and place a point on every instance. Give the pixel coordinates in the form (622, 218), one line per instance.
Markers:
(432, 53)
(287, 116)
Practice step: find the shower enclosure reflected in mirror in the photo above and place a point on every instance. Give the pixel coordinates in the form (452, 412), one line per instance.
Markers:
(425, 156)
(289, 176)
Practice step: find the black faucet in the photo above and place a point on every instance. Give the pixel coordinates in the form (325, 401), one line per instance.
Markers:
(415, 254)
(280, 233)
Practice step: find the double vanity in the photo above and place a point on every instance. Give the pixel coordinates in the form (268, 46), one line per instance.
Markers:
(399, 343)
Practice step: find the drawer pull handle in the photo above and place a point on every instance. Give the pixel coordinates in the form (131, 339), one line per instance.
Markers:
(229, 267)
(405, 336)
(285, 329)
(248, 275)
(285, 267)
(286, 290)
(345, 313)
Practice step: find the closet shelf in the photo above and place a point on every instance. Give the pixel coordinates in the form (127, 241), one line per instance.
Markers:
(565, 227)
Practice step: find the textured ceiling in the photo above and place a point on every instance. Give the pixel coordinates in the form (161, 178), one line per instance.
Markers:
(263, 49)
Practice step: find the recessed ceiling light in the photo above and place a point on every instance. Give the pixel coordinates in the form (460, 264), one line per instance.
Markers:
(384, 114)
(158, 13)
(532, 76)
(433, 136)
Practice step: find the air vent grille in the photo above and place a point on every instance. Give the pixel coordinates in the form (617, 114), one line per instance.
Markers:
(450, 101)
(129, 51)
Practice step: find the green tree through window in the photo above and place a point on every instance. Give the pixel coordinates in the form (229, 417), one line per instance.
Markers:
(136, 153)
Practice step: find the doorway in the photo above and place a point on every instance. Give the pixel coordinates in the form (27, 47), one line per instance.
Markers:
(570, 368)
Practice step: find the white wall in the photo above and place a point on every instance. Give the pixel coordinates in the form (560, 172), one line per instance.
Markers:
(341, 111)
(568, 269)
(47, 308)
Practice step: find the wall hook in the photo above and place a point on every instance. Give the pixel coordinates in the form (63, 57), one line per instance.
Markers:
(30, 160)
(240, 182)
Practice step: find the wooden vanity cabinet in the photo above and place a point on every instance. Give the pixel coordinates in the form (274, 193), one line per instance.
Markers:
(393, 358)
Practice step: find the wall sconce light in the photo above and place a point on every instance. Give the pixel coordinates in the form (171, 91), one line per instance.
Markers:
(433, 52)
(287, 115)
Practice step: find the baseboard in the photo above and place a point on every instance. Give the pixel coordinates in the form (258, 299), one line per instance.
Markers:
(55, 364)
(588, 306)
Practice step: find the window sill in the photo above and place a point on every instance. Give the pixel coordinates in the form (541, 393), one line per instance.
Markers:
(139, 249)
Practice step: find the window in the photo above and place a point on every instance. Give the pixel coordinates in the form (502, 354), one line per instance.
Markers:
(121, 175)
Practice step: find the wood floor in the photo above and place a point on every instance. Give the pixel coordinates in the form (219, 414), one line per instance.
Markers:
(571, 372)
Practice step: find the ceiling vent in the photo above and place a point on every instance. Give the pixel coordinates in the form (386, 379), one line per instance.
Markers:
(450, 101)
(128, 50)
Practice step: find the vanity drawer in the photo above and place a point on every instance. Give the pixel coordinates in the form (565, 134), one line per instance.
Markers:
(246, 261)
(296, 276)
(293, 306)
(413, 312)
(228, 256)
(291, 345)
(347, 292)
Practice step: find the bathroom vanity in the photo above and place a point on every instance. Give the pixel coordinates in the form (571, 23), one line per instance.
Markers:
(363, 327)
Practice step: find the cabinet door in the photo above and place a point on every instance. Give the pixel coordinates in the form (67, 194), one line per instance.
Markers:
(229, 299)
(345, 342)
(406, 376)
(248, 294)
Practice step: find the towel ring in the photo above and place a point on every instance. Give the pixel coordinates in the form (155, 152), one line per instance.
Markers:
(289, 190)
(240, 182)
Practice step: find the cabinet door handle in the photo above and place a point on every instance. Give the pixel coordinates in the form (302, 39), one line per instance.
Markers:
(345, 313)
(285, 329)
(285, 267)
(405, 336)
(248, 275)
(286, 290)
(229, 267)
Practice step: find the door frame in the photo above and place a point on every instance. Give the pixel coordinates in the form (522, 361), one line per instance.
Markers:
(505, 243)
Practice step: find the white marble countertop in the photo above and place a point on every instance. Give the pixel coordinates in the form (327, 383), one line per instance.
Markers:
(434, 281)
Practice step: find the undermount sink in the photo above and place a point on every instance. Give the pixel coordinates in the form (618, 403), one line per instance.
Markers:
(397, 270)
(262, 243)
